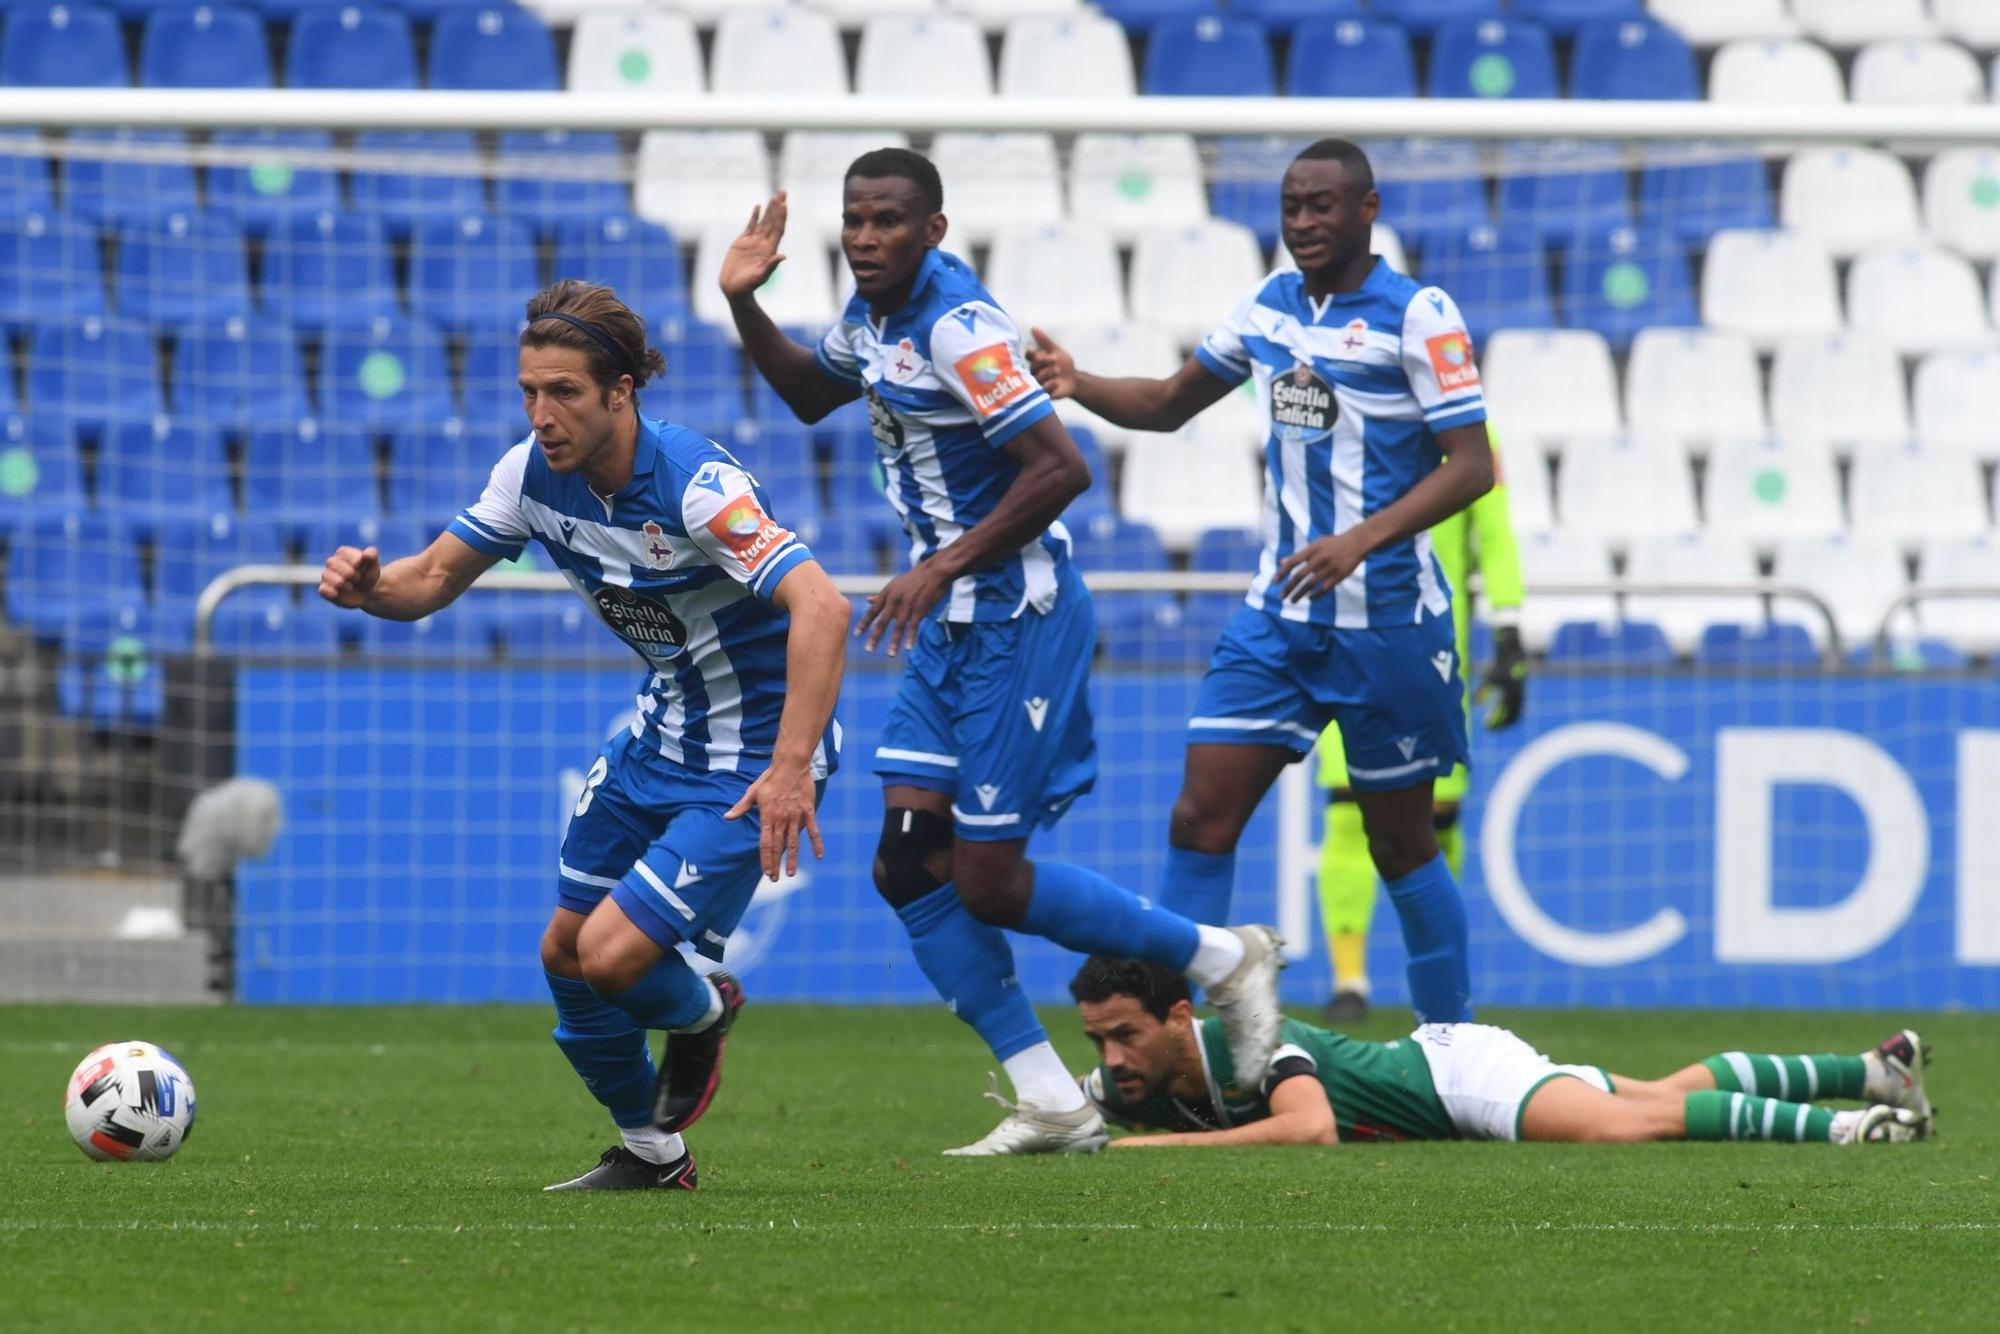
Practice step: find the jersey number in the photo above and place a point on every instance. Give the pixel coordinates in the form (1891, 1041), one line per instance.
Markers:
(590, 784)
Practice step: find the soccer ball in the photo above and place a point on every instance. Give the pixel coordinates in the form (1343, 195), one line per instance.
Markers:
(129, 1102)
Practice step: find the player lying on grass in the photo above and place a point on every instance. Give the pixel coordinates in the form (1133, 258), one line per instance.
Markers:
(1164, 1070)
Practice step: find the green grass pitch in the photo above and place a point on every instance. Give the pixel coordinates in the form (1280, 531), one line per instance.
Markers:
(359, 1169)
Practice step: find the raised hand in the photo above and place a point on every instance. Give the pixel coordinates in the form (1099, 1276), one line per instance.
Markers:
(1054, 367)
(349, 576)
(753, 256)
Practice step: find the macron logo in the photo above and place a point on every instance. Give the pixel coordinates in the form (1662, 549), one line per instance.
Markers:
(966, 316)
(568, 529)
(1442, 661)
(987, 794)
(1406, 744)
(689, 873)
(710, 477)
(1038, 710)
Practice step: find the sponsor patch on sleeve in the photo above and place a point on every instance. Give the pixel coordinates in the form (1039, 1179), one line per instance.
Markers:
(743, 527)
(993, 379)
(1451, 361)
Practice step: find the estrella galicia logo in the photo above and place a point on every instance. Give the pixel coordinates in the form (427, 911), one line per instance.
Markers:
(1303, 407)
(882, 424)
(645, 622)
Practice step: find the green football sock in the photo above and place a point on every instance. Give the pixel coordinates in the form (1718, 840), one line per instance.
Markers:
(1804, 1078)
(1715, 1115)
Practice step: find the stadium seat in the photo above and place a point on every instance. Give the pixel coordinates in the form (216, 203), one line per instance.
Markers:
(1911, 495)
(1063, 273)
(1961, 200)
(162, 469)
(1244, 182)
(92, 371)
(1382, 241)
(1106, 544)
(1209, 56)
(1620, 490)
(1971, 624)
(1973, 22)
(557, 630)
(1626, 644)
(777, 53)
(1186, 279)
(65, 570)
(189, 268)
(1565, 17)
(41, 471)
(26, 185)
(1424, 17)
(305, 472)
(1854, 22)
(461, 632)
(1563, 557)
(350, 46)
(1918, 299)
(490, 388)
(800, 295)
(472, 271)
(1767, 492)
(502, 48)
(704, 384)
(270, 190)
(855, 490)
(389, 373)
(1231, 551)
(1562, 189)
(207, 46)
(1699, 387)
(1144, 17)
(923, 55)
(1858, 577)
(634, 51)
(237, 373)
(1430, 188)
(356, 528)
(252, 627)
(1767, 285)
(329, 268)
(1551, 387)
(1838, 391)
(1764, 645)
(1051, 56)
(993, 15)
(1785, 70)
(1491, 58)
(641, 261)
(996, 181)
(62, 46)
(1698, 559)
(691, 179)
(1695, 196)
(1282, 17)
(1713, 22)
(1632, 59)
(536, 184)
(1530, 502)
(402, 199)
(1849, 198)
(113, 193)
(437, 469)
(812, 171)
(1500, 278)
(1621, 280)
(1957, 401)
(1195, 479)
(1129, 183)
(50, 268)
(1115, 349)
(1350, 58)
(1918, 71)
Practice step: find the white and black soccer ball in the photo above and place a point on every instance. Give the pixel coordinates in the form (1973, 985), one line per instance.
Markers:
(129, 1102)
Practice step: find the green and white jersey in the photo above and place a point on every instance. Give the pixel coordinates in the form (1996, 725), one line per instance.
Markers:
(1379, 1090)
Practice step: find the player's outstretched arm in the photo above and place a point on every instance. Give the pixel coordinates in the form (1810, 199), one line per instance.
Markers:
(789, 367)
(1300, 1114)
(1136, 402)
(403, 590)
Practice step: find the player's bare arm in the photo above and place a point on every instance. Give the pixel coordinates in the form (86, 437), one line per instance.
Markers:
(1052, 474)
(749, 263)
(403, 590)
(1465, 475)
(815, 652)
(1136, 402)
(1300, 1114)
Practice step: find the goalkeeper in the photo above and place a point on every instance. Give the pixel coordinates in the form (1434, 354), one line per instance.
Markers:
(1478, 538)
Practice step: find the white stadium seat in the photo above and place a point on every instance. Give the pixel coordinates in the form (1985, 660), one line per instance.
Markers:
(1972, 624)
(1838, 391)
(800, 295)
(1059, 56)
(1192, 480)
(1622, 490)
(923, 55)
(1696, 558)
(1768, 285)
(1782, 70)
(1926, 71)
(1853, 22)
(1562, 558)
(1912, 495)
(1186, 279)
(1700, 387)
(706, 12)
(777, 53)
(1974, 22)
(1713, 22)
(1132, 182)
(812, 171)
(1060, 273)
(994, 181)
(1551, 387)
(1962, 201)
(1917, 299)
(1849, 198)
(858, 13)
(1113, 349)
(691, 179)
(1956, 402)
(634, 50)
(995, 14)
(1857, 576)
(1530, 505)
(1767, 491)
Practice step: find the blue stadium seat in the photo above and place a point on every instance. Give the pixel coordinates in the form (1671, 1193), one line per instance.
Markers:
(463, 631)
(557, 629)
(26, 185)
(1769, 645)
(64, 569)
(1911, 655)
(1232, 551)
(1209, 56)
(114, 194)
(188, 268)
(250, 626)
(1127, 623)
(641, 260)
(1430, 188)
(1143, 16)
(779, 452)
(842, 546)
(327, 268)
(304, 472)
(1620, 280)
(1350, 58)
(1100, 498)
(91, 372)
(1492, 58)
(500, 47)
(112, 673)
(401, 199)
(350, 46)
(703, 387)
(206, 46)
(200, 550)
(438, 469)
(1698, 199)
(395, 537)
(1248, 174)
(1499, 278)
(491, 388)
(526, 189)
(1633, 59)
(1564, 17)
(855, 491)
(389, 374)
(62, 46)
(41, 470)
(1280, 17)
(1560, 191)
(50, 268)
(1424, 17)
(162, 469)
(265, 194)
(471, 272)
(1624, 644)
(239, 372)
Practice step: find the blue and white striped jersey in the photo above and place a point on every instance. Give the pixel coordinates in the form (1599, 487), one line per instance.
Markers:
(681, 563)
(1352, 390)
(947, 385)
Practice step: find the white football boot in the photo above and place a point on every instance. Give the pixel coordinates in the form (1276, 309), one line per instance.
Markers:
(1247, 1003)
(1896, 1072)
(1030, 1129)
(1880, 1125)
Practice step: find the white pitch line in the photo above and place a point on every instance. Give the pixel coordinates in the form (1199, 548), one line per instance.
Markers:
(802, 1225)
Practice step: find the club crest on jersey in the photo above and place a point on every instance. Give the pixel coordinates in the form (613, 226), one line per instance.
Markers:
(903, 364)
(992, 378)
(644, 621)
(746, 530)
(1451, 361)
(1354, 338)
(1303, 408)
(659, 555)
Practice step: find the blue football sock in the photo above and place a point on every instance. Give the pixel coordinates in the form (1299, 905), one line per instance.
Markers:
(1433, 917)
(972, 967)
(671, 996)
(1198, 885)
(1082, 911)
(606, 1049)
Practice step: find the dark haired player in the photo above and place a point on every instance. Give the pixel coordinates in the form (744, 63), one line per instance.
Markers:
(672, 543)
(990, 734)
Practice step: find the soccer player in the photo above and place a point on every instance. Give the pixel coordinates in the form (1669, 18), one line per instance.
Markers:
(672, 543)
(1376, 432)
(1481, 538)
(1162, 1070)
(990, 734)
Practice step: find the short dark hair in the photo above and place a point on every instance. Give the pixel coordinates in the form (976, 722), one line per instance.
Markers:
(915, 167)
(1155, 986)
(1347, 153)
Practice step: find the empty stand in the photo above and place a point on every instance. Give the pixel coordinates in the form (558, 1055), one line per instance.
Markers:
(472, 271)
(1784, 70)
(1492, 58)
(1129, 183)
(812, 171)
(1714, 22)
(1971, 624)
(634, 50)
(206, 46)
(1853, 22)
(1629, 58)
(1961, 201)
(923, 55)
(1857, 576)
(330, 268)
(1917, 299)
(237, 373)
(1059, 274)
(1769, 492)
(1048, 56)
(1911, 495)
(800, 295)
(1194, 479)
(350, 46)
(1209, 55)
(777, 53)
(1350, 58)
(1849, 199)
(1703, 559)
(1619, 491)
(1768, 285)
(1186, 279)
(1839, 391)
(50, 268)
(1562, 557)
(1552, 387)
(1620, 280)
(1499, 278)
(502, 48)
(1956, 402)
(693, 179)
(1918, 71)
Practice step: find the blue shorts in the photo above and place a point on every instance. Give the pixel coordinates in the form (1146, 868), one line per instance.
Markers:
(1396, 691)
(997, 714)
(651, 834)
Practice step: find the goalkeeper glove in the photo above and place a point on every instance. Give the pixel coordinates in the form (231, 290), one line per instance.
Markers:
(1504, 687)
